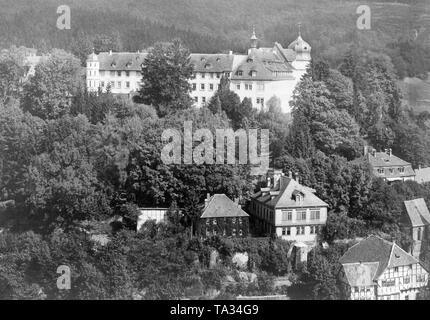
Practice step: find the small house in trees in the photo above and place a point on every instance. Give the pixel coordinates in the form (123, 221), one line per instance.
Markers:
(388, 166)
(288, 209)
(376, 269)
(417, 222)
(224, 217)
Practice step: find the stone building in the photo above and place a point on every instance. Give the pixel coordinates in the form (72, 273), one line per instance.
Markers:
(224, 217)
(259, 74)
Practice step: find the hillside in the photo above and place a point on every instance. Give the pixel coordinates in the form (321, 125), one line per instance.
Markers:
(416, 94)
(326, 23)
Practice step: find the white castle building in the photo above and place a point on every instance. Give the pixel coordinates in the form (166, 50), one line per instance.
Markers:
(259, 75)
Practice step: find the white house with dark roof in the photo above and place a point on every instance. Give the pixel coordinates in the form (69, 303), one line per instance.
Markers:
(260, 74)
(288, 209)
(376, 269)
(388, 166)
(417, 222)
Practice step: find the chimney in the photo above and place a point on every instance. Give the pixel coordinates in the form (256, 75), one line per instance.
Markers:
(277, 174)
(297, 177)
(208, 197)
(366, 150)
(236, 202)
(374, 152)
(230, 52)
(390, 152)
(110, 52)
(290, 174)
(268, 182)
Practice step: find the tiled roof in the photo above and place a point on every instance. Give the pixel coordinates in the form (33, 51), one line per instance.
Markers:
(418, 212)
(422, 175)
(220, 206)
(399, 258)
(267, 64)
(361, 274)
(382, 159)
(376, 249)
(288, 54)
(284, 198)
(121, 61)
(212, 62)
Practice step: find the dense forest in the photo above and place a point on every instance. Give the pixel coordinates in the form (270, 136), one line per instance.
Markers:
(399, 29)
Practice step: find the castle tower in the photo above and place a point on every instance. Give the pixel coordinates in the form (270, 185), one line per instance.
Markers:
(303, 52)
(253, 41)
(93, 75)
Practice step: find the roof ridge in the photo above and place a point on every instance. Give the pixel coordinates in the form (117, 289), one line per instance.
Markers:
(397, 246)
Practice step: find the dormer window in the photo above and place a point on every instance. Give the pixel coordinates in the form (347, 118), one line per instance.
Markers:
(218, 59)
(250, 60)
(128, 65)
(202, 59)
(239, 72)
(113, 64)
(253, 73)
(298, 196)
(208, 66)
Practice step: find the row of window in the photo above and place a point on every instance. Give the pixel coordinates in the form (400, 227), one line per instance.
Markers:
(196, 100)
(233, 220)
(301, 215)
(391, 170)
(203, 86)
(113, 73)
(286, 231)
(211, 75)
(224, 233)
(252, 73)
(117, 84)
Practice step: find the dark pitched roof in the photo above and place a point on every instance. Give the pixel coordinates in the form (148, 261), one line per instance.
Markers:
(267, 64)
(422, 175)
(121, 61)
(376, 249)
(418, 212)
(288, 54)
(283, 195)
(220, 206)
(212, 62)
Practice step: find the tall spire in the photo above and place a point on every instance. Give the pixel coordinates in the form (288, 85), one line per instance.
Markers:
(254, 38)
(299, 25)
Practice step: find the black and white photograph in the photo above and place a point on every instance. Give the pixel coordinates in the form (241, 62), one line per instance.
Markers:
(215, 155)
